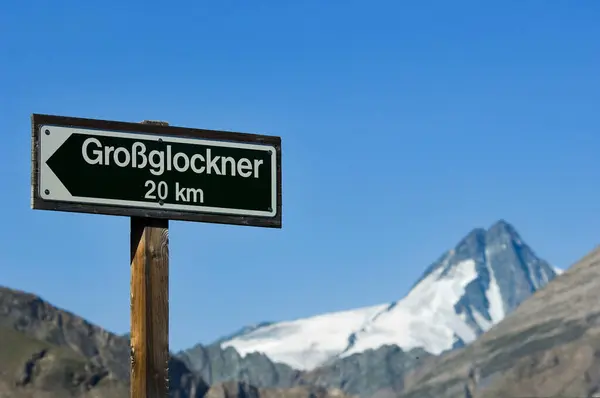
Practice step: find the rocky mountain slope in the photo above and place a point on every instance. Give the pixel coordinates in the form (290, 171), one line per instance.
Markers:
(367, 373)
(359, 374)
(245, 390)
(215, 364)
(548, 347)
(46, 352)
(460, 296)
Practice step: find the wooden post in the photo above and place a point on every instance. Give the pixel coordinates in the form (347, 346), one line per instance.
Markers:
(149, 306)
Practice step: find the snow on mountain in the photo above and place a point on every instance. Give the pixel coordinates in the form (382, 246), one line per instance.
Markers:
(244, 331)
(460, 296)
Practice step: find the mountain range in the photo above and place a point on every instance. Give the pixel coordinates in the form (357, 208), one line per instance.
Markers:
(460, 296)
(46, 352)
(546, 342)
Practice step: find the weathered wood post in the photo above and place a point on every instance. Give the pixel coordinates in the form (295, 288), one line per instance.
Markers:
(149, 306)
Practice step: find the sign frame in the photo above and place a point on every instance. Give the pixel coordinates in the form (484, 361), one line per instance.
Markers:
(160, 131)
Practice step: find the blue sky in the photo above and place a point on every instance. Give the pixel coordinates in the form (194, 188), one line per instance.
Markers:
(404, 126)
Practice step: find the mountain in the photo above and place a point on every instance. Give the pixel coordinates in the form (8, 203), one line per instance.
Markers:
(468, 290)
(46, 352)
(49, 352)
(548, 347)
(215, 364)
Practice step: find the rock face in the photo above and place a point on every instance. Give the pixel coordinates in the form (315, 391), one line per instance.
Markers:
(244, 390)
(37, 319)
(549, 347)
(367, 373)
(468, 290)
(216, 365)
(34, 368)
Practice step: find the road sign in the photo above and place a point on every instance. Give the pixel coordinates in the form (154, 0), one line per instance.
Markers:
(157, 171)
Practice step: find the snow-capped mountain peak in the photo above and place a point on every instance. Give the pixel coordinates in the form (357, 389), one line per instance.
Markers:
(460, 296)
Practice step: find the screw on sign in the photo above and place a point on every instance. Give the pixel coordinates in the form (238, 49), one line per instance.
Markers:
(153, 173)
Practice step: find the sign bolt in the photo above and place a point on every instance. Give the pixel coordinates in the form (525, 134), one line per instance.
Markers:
(270, 209)
(47, 191)
(47, 132)
(160, 202)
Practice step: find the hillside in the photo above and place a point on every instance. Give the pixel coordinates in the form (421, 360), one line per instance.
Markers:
(548, 347)
(46, 352)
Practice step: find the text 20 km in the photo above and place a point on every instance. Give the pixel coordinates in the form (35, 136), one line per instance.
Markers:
(160, 191)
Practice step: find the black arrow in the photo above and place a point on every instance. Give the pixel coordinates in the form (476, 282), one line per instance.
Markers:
(127, 183)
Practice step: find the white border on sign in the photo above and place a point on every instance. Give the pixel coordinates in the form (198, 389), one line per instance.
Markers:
(58, 192)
